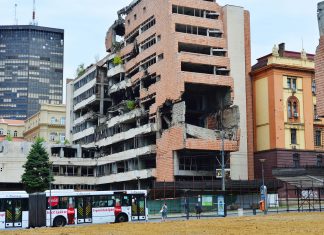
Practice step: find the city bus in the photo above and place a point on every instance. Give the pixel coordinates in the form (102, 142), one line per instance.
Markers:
(13, 209)
(68, 207)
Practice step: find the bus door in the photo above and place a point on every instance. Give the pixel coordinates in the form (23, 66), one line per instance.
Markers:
(138, 207)
(13, 209)
(84, 207)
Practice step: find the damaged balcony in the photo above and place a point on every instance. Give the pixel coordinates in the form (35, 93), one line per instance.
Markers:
(115, 67)
(91, 96)
(109, 156)
(205, 104)
(205, 112)
(64, 151)
(137, 143)
(194, 163)
(201, 49)
(130, 133)
(197, 30)
(118, 82)
(127, 176)
(204, 68)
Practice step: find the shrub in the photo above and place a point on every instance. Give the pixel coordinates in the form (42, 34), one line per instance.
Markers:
(117, 60)
(130, 104)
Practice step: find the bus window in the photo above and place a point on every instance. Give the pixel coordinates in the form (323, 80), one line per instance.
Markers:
(71, 203)
(126, 200)
(100, 201)
(111, 202)
(117, 200)
(79, 202)
(63, 202)
(1, 205)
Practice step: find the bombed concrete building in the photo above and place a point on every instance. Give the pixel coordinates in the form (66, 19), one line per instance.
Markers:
(172, 93)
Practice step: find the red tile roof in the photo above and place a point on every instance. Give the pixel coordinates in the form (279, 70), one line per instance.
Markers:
(12, 122)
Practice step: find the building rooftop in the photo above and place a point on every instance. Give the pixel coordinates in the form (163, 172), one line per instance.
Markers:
(33, 27)
(12, 122)
(281, 53)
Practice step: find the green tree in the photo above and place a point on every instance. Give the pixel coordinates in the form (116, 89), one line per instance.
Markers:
(8, 138)
(80, 70)
(37, 175)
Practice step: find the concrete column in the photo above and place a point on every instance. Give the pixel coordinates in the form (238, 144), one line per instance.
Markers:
(175, 162)
(234, 26)
(61, 152)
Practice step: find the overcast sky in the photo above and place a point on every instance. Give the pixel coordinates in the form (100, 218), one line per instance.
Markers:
(86, 21)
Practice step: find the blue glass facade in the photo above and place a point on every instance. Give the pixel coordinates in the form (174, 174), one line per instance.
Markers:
(31, 69)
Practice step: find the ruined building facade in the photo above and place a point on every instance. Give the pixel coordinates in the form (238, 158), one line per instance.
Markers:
(319, 60)
(156, 108)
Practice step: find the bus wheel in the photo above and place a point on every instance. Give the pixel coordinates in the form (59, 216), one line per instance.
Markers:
(59, 221)
(121, 218)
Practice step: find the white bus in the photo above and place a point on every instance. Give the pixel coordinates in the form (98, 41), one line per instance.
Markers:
(13, 209)
(65, 207)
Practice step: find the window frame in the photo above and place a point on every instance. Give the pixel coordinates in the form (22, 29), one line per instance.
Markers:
(318, 138)
(293, 131)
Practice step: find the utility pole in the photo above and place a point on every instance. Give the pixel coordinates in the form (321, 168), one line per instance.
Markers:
(223, 163)
(50, 195)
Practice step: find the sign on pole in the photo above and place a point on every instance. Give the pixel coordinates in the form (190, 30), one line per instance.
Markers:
(221, 205)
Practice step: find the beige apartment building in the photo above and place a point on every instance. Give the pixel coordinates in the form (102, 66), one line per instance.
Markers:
(48, 123)
(12, 128)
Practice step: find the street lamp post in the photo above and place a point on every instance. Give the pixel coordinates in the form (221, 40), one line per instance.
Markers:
(223, 163)
(138, 183)
(50, 193)
(264, 189)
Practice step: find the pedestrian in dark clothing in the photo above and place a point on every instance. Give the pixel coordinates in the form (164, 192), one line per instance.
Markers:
(198, 210)
(187, 208)
(164, 211)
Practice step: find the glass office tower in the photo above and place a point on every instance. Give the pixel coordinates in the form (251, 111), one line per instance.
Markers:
(31, 69)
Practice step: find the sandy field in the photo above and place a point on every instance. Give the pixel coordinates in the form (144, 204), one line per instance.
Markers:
(294, 223)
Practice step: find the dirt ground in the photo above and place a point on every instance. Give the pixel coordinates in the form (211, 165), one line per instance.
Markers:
(299, 223)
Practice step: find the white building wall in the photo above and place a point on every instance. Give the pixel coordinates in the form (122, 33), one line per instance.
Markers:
(234, 27)
(13, 156)
(69, 111)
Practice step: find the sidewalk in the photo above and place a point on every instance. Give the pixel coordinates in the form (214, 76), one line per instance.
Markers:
(233, 213)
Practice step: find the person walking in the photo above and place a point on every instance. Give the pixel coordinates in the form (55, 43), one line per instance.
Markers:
(187, 208)
(198, 210)
(164, 211)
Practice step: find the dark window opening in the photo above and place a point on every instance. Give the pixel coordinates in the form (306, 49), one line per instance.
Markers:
(149, 80)
(131, 38)
(318, 138)
(319, 160)
(199, 49)
(197, 68)
(194, 12)
(190, 29)
(293, 136)
(202, 101)
(147, 104)
(148, 24)
(296, 160)
(148, 43)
